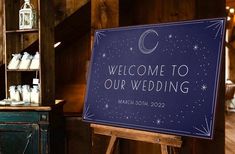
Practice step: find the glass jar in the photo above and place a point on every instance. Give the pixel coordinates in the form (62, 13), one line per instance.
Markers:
(14, 94)
(26, 93)
(35, 95)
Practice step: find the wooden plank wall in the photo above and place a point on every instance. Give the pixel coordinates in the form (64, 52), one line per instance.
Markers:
(231, 63)
(104, 14)
(71, 85)
(73, 5)
(230, 57)
(65, 8)
(1, 34)
(74, 56)
(155, 11)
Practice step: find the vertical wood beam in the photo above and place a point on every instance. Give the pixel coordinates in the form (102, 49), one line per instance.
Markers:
(46, 46)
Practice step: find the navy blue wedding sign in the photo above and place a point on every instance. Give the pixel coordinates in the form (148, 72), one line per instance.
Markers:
(161, 78)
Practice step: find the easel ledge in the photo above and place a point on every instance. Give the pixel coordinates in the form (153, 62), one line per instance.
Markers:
(138, 135)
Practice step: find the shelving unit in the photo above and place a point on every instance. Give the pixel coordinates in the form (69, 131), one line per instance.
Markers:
(18, 41)
(31, 128)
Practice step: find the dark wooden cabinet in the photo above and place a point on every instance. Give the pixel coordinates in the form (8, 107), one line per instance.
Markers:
(32, 130)
(19, 138)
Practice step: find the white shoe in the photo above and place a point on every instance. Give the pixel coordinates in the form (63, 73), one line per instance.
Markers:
(14, 62)
(25, 61)
(35, 61)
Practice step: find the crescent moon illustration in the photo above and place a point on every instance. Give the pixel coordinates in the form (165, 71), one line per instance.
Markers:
(141, 45)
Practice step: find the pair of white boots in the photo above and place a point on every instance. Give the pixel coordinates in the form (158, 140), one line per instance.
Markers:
(26, 61)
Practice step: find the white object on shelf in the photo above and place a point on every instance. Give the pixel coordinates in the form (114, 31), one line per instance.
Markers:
(35, 95)
(17, 103)
(27, 16)
(2, 102)
(14, 94)
(19, 89)
(36, 81)
(14, 62)
(26, 93)
(5, 102)
(35, 61)
(25, 61)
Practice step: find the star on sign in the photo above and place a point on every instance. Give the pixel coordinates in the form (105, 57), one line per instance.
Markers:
(131, 48)
(106, 106)
(170, 36)
(104, 55)
(204, 87)
(158, 121)
(195, 47)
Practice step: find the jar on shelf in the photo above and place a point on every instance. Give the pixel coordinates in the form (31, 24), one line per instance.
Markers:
(14, 93)
(35, 61)
(26, 93)
(15, 61)
(35, 94)
(19, 89)
(25, 61)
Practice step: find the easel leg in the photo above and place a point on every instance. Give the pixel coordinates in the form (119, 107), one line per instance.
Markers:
(111, 144)
(175, 150)
(164, 149)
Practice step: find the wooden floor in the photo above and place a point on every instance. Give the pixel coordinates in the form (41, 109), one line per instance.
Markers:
(230, 133)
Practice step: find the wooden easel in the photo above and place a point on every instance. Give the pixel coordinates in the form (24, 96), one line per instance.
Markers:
(132, 134)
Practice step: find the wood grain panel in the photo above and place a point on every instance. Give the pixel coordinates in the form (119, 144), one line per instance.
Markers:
(229, 133)
(104, 14)
(1, 34)
(74, 5)
(47, 78)
(75, 26)
(155, 11)
(210, 8)
(78, 136)
(71, 71)
(231, 63)
(60, 10)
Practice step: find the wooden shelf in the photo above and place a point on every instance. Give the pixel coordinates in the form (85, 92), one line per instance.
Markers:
(33, 107)
(23, 31)
(22, 70)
